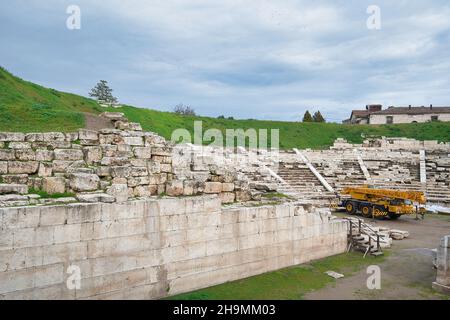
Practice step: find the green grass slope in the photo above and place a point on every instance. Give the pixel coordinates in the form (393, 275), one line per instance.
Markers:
(27, 107)
(292, 134)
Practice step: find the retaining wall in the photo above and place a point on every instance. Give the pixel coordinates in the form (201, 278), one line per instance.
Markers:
(149, 249)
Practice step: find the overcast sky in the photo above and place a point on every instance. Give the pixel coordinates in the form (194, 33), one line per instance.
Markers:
(247, 59)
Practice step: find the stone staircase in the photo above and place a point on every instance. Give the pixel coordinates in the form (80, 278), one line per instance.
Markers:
(342, 173)
(301, 182)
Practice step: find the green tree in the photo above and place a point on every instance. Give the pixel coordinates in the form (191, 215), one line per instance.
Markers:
(318, 117)
(102, 92)
(307, 117)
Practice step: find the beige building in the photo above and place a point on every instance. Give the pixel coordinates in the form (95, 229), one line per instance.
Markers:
(374, 114)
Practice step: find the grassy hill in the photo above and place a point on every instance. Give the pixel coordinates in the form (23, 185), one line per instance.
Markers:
(28, 107)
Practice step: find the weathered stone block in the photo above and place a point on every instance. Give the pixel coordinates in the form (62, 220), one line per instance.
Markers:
(72, 136)
(228, 187)
(19, 145)
(61, 166)
(175, 188)
(120, 172)
(144, 191)
(15, 179)
(34, 137)
(135, 126)
(92, 154)
(243, 196)
(53, 185)
(6, 154)
(3, 167)
(154, 167)
(18, 167)
(53, 136)
(167, 168)
(122, 125)
(119, 192)
(115, 161)
(45, 169)
(12, 136)
(227, 197)
(68, 154)
(139, 171)
(13, 189)
(162, 151)
(84, 182)
(133, 141)
(188, 188)
(44, 155)
(138, 181)
(88, 135)
(213, 187)
(25, 155)
(143, 152)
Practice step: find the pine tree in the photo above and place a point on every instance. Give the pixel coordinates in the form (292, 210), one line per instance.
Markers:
(318, 117)
(307, 117)
(102, 92)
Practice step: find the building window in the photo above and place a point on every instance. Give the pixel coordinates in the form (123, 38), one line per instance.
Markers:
(389, 119)
(434, 118)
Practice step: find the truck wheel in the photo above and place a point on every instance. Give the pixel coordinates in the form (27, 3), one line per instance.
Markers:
(350, 207)
(366, 211)
(394, 216)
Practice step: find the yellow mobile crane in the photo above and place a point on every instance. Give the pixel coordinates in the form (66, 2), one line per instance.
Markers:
(383, 202)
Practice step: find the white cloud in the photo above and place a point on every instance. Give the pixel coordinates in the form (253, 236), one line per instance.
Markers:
(248, 58)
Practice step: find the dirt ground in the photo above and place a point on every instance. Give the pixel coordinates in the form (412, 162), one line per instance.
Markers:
(406, 273)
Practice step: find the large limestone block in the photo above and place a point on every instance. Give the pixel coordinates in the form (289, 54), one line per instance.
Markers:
(84, 182)
(92, 154)
(53, 136)
(13, 189)
(143, 152)
(145, 191)
(19, 145)
(11, 136)
(27, 167)
(6, 154)
(26, 155)
(88, 135)
(227, 197)
(139, 171)
(213, 187)
(68, 154)
(243, 196)
(134, 141)
(135, 126)
(121, 172)
(228, 187)
(3, 167)
(162, 151)
(53, 185)
(45, 169)
(175, 188)
(118, 191)
(45, 155)
(113, 116)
